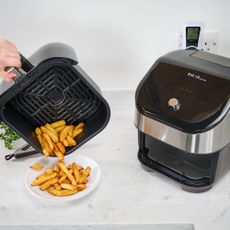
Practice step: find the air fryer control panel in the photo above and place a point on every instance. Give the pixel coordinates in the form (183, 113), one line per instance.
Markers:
(183, 98)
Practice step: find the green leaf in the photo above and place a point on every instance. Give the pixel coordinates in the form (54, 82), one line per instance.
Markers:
(8, 135)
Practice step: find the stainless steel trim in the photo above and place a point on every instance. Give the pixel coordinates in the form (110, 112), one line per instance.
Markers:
(202, 143)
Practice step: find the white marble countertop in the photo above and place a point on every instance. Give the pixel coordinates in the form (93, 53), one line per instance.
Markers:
(127, 194)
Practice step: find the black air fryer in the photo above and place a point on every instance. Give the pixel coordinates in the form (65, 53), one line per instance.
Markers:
(52, 86)
(182, 117)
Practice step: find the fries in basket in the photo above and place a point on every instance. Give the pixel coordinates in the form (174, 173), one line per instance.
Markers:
(55, 137)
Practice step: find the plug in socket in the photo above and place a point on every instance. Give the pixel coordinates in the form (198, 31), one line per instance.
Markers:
(211, 41)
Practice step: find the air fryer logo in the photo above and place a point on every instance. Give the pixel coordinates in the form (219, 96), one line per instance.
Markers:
(196, 76)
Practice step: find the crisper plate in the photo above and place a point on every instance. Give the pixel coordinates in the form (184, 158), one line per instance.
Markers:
(58, 93)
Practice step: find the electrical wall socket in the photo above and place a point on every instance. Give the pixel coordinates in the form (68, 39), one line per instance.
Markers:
(210, 42)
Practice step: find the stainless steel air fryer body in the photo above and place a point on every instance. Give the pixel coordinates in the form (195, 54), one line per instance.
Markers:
(182, 117)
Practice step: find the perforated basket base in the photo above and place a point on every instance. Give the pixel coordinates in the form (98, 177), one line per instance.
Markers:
(59, 93)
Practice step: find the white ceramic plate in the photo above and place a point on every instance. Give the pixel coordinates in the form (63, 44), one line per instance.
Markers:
(94, 177)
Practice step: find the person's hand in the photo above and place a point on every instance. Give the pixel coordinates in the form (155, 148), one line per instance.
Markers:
(9, 57)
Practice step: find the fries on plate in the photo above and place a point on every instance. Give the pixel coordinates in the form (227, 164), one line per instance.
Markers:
(62, 180)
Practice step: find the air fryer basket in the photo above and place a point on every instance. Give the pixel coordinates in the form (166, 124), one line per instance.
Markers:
(53, 90)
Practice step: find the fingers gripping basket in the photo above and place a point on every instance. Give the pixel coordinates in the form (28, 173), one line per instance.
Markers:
(52, 88)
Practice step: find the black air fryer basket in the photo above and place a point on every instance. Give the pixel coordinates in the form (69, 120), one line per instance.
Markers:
(52, 88)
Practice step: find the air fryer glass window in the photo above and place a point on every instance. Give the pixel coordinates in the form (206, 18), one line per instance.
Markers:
(196, 170)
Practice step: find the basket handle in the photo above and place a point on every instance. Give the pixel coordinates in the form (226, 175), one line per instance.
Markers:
(26, 67)
(16, 71)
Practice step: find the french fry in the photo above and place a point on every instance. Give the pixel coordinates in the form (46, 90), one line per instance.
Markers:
(56, 169)
(58, 123)
(63, 192)
(46, 149)
(71, 141)
(80, 125)
(55, 147)
(73, 187)
(62, 179)
(76, 172)
(66, 181)
(52, 135)
(49, 171)
(61, 147)
(49, 141)
(39, 137)
(39, 181)
(45, 174)
(76, 132)
(48, 183)
(61, 173)
(66, 143)
(83, 180)
(44, 129)
(45, 152)
(57, 186)
(38, 131)
(71, 131)
(41, 176)
(36, 166)
(50, 128)
(68, 186)
(59, 154)
(80, 187)
(59, 128)
(84, 175)
(86, 171)
(66, 171)
(64, 133)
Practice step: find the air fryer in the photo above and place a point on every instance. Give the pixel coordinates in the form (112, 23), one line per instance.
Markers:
(182, 117)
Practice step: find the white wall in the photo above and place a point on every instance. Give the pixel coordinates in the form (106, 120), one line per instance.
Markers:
(116, 41)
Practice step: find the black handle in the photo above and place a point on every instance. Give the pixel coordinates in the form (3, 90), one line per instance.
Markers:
(26, 65)
(20, 155)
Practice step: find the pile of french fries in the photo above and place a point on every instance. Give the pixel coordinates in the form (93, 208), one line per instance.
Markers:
(55, 137)
(62, 180)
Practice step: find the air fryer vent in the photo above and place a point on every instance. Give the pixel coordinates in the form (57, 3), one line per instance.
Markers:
(58, 94)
